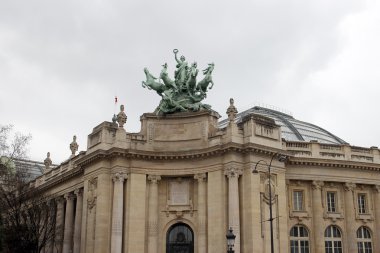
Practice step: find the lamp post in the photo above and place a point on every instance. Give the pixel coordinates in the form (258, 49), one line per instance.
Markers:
(230, 241)
(281, 158)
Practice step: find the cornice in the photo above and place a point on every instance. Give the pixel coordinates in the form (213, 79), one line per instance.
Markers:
(334, 163)
(180, 155)
(60, 179)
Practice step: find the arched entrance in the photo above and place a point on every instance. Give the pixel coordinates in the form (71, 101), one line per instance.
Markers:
(180, 239)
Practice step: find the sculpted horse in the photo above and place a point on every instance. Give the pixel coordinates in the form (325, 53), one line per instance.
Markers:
(165, 78)
(203, 84)
(151, 84)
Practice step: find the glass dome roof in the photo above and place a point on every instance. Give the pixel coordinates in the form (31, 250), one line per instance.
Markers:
(291, 128)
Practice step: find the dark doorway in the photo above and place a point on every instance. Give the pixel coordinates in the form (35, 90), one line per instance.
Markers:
(180, 239)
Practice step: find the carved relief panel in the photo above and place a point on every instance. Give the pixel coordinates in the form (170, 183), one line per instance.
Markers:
(179, 196)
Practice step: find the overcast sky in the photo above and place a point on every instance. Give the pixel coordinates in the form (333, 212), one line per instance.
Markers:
(62, 62)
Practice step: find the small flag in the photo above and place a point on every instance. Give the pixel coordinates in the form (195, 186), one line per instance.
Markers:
(115, 100)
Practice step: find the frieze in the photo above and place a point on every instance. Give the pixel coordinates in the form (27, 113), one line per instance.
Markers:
(344, 164)
(181, 155)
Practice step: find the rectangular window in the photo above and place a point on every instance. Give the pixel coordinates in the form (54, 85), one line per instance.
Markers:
(331, 202)
(297, 200)
(362, 203)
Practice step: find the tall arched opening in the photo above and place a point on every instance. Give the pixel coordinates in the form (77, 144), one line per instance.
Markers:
(180, 239)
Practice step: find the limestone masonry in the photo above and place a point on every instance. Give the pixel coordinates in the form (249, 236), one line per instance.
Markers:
(185, 178)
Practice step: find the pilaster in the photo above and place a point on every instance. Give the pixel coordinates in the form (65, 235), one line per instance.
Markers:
(216, 205)
(117, 212)
(136, 213)
(201, 212)
(153, 214)
(349, 210)
(318, 216)
(233, 174)
(377, 217)
(102, 214)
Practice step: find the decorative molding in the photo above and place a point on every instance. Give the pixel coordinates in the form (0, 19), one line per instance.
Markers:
(78, 192)
(376, 188)
(92, 194)
(180, 155)
(233, 172)
(332, 163)
(119, 177)
(69, 196)
(201, 177)
(349, 186)
(266, 190)
(317, 185)
(60, 200)
(150, 132)
(153, 179)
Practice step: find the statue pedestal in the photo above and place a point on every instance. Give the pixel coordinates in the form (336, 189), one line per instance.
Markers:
(179, 131)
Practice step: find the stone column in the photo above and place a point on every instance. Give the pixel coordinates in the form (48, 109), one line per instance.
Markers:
(60, 219)
(117, 213)
(69, 221)
(201, 212)
(377, 217)
(78, 220)
(233, 203)
(153, 214)
(318, 226)
(349, 211)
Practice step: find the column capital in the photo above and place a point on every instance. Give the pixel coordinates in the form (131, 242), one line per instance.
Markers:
(233, 172)
(59, 199)
(69, 196)
(154, 179)
(78, 192)
(317, 185)
(349, 186)
(119, 177)
(201, 177)
(376, 188)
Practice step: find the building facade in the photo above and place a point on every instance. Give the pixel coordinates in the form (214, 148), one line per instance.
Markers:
(185, 178)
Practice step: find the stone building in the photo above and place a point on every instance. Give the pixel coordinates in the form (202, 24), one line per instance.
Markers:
(185, 178)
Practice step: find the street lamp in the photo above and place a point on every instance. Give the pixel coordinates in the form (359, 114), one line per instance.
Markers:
(281, 158)
(230, 241)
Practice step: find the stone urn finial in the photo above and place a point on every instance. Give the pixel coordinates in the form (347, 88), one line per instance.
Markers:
(121, 117)
(74, 146)
(48, 162)
(231, 111)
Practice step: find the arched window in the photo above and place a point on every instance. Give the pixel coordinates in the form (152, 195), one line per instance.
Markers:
(364, 240)
(333, 240)
(180, 238)
(299, 239)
